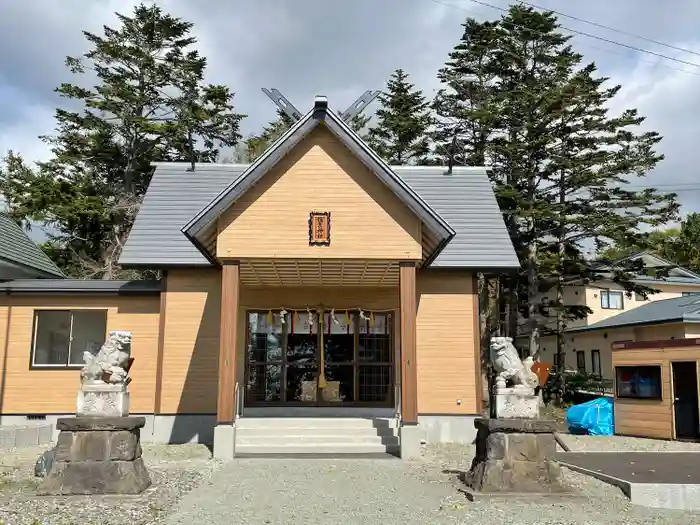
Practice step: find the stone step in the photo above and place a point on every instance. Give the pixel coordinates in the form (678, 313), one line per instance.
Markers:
(316, 448)
(264, 432)
(302, 439)
(315, 422)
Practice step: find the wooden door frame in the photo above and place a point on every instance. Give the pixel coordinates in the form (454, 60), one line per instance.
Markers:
(355, 363)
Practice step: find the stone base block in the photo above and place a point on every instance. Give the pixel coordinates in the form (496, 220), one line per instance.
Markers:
(102, 400)
(515, 403)
(97, 456)
(515, 456)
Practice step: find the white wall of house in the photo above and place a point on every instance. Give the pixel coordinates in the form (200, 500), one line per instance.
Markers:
(593, 298)
(602, 340)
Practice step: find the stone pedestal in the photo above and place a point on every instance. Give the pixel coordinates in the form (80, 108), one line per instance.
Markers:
(103, 399)
(516, 403)
(514, 456)
(97, 455)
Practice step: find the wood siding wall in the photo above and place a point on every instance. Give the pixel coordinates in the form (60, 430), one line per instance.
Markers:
(191, 341)
(446, 343)
(367, 220)
(25, 391)
(650, 418)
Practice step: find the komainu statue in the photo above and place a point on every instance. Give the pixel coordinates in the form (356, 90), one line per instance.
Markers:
(510, 370)
(109, 363)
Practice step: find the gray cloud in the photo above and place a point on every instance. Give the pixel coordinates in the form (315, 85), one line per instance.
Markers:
(340, 49)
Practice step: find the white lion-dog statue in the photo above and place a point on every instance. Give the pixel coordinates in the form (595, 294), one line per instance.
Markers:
(109, 359)
(509, 368)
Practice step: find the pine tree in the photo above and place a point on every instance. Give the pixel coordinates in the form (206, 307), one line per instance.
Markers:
(149, 104)
(464, 118)
(558, 161)
(400, 135)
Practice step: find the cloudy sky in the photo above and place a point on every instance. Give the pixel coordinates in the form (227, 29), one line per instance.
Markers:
(342, 47)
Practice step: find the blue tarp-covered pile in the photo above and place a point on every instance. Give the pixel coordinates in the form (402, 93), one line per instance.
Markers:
(594, 417)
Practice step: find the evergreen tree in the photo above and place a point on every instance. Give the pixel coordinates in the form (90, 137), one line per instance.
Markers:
(400, 135)
(149, 104)
(558, 162)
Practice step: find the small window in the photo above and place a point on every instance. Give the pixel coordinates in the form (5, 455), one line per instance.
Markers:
(638, 382)
(595, 362)
(581, 361)
(611, 300)
(62, 336)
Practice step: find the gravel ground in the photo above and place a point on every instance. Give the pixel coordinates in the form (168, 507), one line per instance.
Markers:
(392, 492)
(191, 489)
(174, 470)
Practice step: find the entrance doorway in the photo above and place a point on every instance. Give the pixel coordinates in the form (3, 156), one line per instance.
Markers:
(320, 357)
(685, 399)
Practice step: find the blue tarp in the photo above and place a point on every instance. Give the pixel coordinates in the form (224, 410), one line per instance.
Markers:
(594, 417)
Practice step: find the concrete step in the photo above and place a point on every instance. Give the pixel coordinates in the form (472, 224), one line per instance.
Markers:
(301, 439)
(264, 432)
(316, 448)
(315, 422)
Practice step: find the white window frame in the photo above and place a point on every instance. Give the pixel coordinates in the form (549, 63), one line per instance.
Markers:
(606, 294)
(67, 365)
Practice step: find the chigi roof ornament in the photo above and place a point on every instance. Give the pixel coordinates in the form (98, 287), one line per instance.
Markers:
(320, 102)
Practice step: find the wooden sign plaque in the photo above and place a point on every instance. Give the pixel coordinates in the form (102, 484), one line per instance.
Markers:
(320, 228)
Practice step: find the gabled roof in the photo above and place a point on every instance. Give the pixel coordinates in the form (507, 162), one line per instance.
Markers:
(677, 310)
(320, 114)
(675, 274)
(18, 249)
(465, 199)
(459, 209)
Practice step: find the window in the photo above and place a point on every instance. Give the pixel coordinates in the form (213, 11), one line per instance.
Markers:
(555, 360)
(595, 362)
(62, 336)
(638, 382)
(581, 361)
(610, 300)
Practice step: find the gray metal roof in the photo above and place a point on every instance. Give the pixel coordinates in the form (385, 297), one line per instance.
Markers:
(319, 114)
(80, 286)
(173, 198)
(677, 310)
(464, 199)
(18, 248)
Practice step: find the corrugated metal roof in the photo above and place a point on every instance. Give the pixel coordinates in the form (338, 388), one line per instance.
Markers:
(464, 199)
(677, 310)
(80, 286)
(18, 248)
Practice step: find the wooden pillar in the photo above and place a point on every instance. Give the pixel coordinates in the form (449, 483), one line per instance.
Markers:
(230, 283)
(409, 375)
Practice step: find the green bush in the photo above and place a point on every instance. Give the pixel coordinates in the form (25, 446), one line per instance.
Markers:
(568, 388)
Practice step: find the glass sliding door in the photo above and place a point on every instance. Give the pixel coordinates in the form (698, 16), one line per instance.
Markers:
(375, 371)
(265, 358)
(339, 358)
(301, 363)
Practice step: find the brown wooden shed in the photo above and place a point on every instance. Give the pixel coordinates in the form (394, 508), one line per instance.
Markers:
(656, 388)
